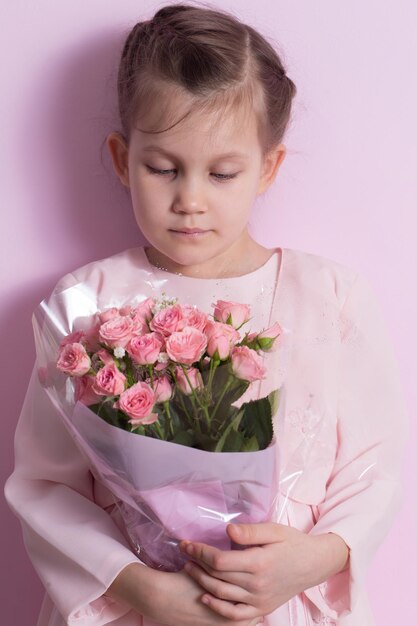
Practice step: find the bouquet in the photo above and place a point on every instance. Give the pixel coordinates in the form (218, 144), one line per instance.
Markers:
(163, 401)
(166, 372)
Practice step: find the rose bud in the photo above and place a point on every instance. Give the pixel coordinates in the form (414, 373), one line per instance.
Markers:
(232, 313)
(194, 377)
(247, 364)
(267, 338)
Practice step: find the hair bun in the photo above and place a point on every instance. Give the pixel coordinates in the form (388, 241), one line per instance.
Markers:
(169, 11)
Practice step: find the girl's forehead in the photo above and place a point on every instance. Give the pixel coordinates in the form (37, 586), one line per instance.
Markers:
(218, 130)
(177, 113)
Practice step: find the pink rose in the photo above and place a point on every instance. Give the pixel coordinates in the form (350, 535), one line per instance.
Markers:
(166, 320)
(162, 389)
(109, 381)
(247, 364)
(140, 315)
(137, 402)
(267, 338)
(126, 310)
(191, 316)
(108, 314)
(220, 339)
(105, 356)
(232, 313)
(143, 310)
(84, 390)
(145, 349)
(116, 332)
(78, 336)
(186, 346)
(74, 360)
(195, 379)
(139, 327)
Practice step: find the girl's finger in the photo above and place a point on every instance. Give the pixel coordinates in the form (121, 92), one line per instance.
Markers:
(240, 579)
(234, 612)
(217, 587)
(224, 560)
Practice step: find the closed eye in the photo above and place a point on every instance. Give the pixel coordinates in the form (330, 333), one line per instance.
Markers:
(161, 172)
(152, 170)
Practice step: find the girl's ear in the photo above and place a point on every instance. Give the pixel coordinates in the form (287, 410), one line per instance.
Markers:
(119, 153)
(271, 164)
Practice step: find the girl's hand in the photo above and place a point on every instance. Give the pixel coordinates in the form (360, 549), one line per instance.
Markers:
(173, 599)
(180, 605)
(244, 584)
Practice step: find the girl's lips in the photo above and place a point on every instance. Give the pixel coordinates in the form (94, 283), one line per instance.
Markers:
(192, 233)
(189, 230)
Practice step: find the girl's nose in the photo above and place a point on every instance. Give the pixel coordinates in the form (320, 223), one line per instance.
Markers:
(189, 199)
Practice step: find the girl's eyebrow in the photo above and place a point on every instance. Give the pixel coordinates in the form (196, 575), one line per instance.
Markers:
(227, 155)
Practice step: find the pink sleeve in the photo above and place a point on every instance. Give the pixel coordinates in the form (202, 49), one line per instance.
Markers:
(74, 545)
(364, 491)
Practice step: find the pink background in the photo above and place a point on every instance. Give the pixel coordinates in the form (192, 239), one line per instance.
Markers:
(347, 190)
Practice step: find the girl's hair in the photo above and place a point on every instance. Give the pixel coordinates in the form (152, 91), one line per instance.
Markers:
(212, 58)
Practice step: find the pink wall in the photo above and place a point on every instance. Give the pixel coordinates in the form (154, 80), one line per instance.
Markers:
(346, 191)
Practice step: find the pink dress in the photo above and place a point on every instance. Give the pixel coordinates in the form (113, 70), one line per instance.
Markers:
(341, 368)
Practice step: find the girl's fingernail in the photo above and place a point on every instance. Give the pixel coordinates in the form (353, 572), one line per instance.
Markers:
(189, 548)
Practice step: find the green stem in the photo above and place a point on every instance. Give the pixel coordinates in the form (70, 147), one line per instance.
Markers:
(193, 423)
(213, 366)
(168, 412)
(159, 430)
(190, 420)
(196, 398)
(226, 387)
(129, 372)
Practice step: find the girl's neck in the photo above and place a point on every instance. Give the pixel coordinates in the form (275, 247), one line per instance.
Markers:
(235, 265)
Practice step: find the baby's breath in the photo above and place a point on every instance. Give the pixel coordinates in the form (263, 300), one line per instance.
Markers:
(163, 302)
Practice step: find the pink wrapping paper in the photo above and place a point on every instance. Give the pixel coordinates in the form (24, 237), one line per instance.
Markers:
(167, 492)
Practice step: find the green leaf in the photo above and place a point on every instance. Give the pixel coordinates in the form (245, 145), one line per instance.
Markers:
(257, 421)
(233, 425)
(220, 379)
(250, 445)
(140, 430)
(205, 442)
(184, 438)
(234, 442)
(274, 400)
(112, 416)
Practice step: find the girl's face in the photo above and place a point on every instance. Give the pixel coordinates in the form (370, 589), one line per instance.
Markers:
(204, 173)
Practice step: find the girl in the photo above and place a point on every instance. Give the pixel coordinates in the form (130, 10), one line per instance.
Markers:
(204, 103)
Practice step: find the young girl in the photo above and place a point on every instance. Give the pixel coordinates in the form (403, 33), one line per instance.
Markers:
(204, 103)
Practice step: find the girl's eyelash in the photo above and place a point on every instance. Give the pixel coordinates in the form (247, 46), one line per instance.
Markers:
(164, 172)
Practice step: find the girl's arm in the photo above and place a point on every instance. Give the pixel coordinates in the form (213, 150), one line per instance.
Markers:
(172, 599)
(362, 496)
(74, 546)
(364, 491)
